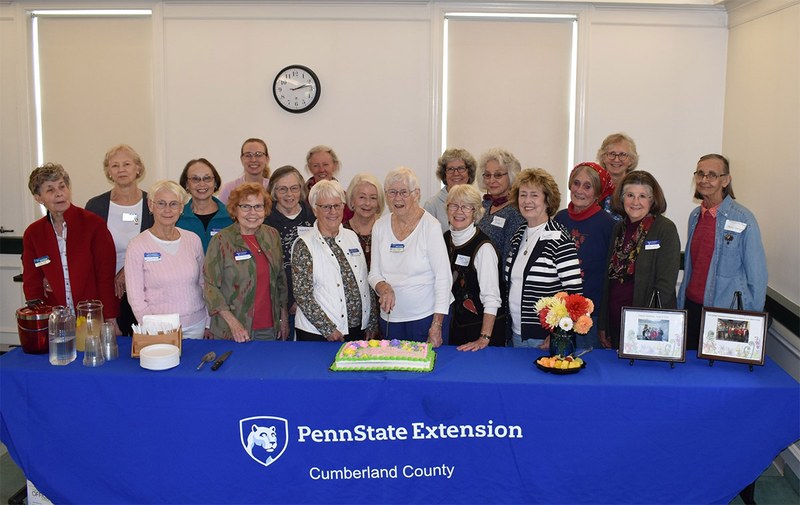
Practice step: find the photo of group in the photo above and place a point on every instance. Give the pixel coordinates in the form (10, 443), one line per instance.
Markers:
(653, 330)
(733, 335)
(733, 330)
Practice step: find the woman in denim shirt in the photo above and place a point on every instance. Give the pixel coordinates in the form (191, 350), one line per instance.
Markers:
(724, 253)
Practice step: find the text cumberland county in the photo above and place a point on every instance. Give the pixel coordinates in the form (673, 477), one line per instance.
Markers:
(418, 431)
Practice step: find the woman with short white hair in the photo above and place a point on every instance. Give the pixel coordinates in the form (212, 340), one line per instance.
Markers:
(164, 264)
(476, 274)
(410, 269)
(329, 274)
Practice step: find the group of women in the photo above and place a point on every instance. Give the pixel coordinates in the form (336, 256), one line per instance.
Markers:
(279, 257)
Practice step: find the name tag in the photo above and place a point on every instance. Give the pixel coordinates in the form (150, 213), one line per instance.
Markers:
(214, 231)
(40, 262)
(152, 256)
(354, 252)
(130, 217)
(303, 229)
(735, 226)
(242, 255)
(649, 245)
(462, 260)
(397, 248)
(498, 221)
(551, 235)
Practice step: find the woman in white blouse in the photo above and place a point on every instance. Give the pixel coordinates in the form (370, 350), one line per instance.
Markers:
(410, 270)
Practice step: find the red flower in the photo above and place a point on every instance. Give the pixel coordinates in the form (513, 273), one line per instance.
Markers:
(543, 317)
(577, 306)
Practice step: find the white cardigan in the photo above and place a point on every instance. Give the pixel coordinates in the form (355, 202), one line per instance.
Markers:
(328, 279)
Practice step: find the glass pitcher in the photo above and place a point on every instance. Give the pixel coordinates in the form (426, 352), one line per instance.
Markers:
(89, 322)
(61, 333)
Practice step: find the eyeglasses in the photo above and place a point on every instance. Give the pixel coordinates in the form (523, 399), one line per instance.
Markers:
(497, 176)
(197, 180)
(620, 156)
(402, 193)
(257, 155)
(173, 205)
(334, 206)
(282, 190)
(712, 176)
(247, 207)
(460, 169)
(454, 207)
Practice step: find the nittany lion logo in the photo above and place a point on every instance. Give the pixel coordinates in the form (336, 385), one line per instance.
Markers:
(264, 437)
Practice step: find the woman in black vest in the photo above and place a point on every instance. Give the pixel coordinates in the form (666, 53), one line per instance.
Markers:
(476, 274)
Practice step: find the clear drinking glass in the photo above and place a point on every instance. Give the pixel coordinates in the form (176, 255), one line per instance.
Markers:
(109, 341)
(93, 354)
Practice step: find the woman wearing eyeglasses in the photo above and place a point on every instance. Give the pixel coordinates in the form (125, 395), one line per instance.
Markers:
(498, 170)
(724, 253)
(644, 254)
(164, 265)
(323, 164)
(410, 268)
(255, 161)
(204, 214)
(245, 283)
(476, 275)
(329, 274)
(455, 166)
(617, 154)
(124, 209)
(291, 216)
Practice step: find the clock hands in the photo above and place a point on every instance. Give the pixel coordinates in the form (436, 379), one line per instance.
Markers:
(306, 85)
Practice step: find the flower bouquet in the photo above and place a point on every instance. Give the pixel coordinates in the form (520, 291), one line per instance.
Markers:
(564, 315)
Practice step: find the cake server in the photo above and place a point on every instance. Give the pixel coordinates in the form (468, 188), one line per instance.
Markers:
(208, 357)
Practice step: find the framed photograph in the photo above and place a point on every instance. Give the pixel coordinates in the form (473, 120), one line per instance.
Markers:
(733, 335)
(654, 334)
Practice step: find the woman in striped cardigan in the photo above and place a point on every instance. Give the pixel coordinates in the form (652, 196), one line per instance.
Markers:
(542, 260)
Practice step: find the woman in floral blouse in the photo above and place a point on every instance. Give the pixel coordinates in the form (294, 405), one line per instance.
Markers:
(329, 274)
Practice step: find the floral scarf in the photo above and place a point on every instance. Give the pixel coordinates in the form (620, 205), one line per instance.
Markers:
(623, 259)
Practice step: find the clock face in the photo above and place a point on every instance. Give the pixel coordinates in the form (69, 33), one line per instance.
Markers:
(296, 89)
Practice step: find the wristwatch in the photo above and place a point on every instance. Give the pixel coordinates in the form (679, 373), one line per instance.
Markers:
(487, 337)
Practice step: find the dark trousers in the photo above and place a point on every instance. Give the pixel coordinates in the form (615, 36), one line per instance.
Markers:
(353, 333)
(694, 314)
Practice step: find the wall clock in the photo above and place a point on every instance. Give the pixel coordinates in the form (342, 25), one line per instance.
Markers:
(296, 89)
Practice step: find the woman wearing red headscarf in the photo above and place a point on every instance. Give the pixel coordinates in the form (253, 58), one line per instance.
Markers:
(590, 228)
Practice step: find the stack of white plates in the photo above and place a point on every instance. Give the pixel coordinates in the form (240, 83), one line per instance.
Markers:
(159, 356)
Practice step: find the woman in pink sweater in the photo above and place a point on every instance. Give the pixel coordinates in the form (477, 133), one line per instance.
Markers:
(164, 264)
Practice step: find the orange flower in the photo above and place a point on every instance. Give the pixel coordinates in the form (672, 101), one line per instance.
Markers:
(583, 324)
(561, 295)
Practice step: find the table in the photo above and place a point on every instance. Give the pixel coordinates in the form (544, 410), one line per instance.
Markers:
(613, 433)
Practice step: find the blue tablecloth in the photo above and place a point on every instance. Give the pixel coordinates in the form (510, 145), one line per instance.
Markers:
(482, 427)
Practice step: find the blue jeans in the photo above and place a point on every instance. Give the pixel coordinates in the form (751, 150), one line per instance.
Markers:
(416, 331)
(516, 341)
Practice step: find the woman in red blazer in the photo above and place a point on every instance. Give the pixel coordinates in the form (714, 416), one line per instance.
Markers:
(74, 235)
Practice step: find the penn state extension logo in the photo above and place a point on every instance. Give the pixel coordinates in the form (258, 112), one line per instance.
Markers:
(264, 438)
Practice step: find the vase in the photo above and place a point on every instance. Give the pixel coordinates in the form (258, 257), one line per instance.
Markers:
(562, 342)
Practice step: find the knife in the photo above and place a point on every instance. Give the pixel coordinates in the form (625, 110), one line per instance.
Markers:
(221, 360)
(208, 357)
